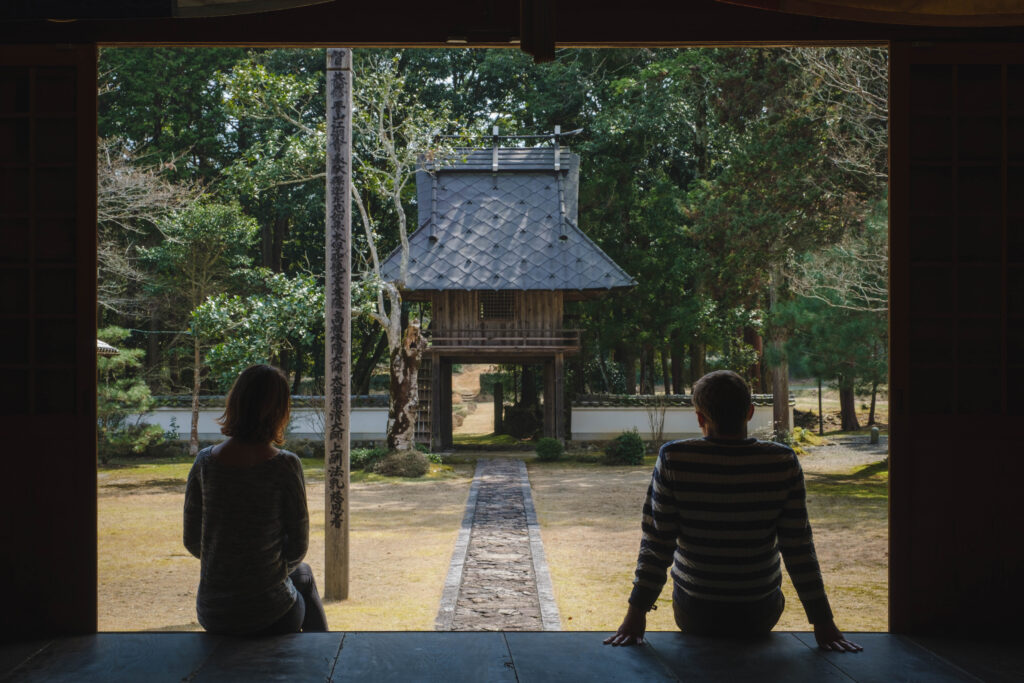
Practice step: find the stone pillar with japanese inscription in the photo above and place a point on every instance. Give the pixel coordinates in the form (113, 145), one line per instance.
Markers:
(339, 322)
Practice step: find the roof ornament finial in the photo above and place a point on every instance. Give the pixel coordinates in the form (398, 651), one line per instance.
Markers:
(558, 181)
(494, 154)
(431, 236)
(558, 147)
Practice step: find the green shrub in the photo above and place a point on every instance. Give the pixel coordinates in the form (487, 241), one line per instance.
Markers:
(380, 383)
(435, 458)
(549, 449)
(403, 464)
(522, 422)
(305, 448)
(366, 458)
(489, 379)
(625, 449)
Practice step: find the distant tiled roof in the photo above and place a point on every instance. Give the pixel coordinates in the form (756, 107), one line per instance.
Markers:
(645, 400)
(513, 229)
(220, 400)
(105, 349)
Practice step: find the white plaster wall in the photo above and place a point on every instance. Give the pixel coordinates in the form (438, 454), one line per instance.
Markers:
(600, 423)
(366, 424)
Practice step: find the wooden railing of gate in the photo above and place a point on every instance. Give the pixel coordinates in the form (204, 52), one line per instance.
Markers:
(532, 339)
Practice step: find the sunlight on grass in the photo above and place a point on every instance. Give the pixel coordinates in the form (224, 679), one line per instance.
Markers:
(402, 535)
(487, 440)
(590, 524)
(869, 481)
(436, 473)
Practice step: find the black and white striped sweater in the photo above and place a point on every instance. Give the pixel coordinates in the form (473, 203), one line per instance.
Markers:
(720, 512)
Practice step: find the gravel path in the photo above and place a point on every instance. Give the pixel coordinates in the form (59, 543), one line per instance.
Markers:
(843, 454)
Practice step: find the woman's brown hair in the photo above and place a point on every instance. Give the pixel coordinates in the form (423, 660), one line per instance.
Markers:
(258, 406)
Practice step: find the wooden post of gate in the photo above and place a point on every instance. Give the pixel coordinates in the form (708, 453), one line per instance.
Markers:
(499, 403)
(338, 399)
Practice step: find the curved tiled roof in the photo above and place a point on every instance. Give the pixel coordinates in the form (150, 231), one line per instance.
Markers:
(513, 229)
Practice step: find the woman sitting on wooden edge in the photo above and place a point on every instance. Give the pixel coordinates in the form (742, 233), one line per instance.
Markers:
(246, 518)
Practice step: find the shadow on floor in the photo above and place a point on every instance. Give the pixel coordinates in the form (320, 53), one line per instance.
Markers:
(522, 657)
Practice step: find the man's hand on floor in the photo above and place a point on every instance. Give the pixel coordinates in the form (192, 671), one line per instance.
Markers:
(631, 632)
(829, 637)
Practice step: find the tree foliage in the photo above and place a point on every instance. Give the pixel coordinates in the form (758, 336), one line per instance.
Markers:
(122, 395)
(279, 314)
(731, 183)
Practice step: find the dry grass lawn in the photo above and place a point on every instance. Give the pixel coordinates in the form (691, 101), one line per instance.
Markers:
(403, 533)
(402, 536)
(590, 524)
(807, 400)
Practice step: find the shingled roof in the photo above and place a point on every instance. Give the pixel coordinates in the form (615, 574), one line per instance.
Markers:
(511, 229)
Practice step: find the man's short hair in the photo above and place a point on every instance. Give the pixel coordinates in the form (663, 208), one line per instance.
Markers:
(723, 397)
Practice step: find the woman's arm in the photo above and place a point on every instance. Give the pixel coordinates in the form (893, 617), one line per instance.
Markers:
(193, 534)
(296, 522)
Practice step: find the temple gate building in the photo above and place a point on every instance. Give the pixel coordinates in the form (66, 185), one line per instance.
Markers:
(497, 254)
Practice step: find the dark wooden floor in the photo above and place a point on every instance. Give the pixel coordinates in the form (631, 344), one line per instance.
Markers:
(522, 657)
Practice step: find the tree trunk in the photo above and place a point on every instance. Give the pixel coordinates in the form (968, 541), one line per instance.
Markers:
(629, 370)
(677, 351)
(664, 370)
(780, 368)
(153, 343)
(297, 384)
(874, 396)
(697, 353)
(652, 379)
(754, 372)
(367, 362)
(272, 237)
(579, 380)
(643, 388)
(647, 369)
(193, 438)
(405, 366)
(780, 389)
(529, 393)
(499, 408)
(604, 373)
(848, 406)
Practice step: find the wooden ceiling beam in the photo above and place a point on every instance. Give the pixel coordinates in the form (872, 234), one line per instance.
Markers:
(496, 23)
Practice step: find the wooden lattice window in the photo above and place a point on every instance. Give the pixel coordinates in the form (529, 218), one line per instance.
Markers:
(498, 305)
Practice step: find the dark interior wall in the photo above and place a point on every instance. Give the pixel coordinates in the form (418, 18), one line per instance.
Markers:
(494, 22)
(956, 560)
(957, 321)
(48, 338)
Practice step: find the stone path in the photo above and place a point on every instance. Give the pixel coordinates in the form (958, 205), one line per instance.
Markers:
(498, 579)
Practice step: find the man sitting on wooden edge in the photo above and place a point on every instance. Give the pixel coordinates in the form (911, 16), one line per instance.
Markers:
(720, 510)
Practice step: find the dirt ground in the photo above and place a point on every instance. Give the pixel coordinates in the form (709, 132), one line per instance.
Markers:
(403, 534)
(806, 399)
(481, 419)
(590, 524)
(402, 537)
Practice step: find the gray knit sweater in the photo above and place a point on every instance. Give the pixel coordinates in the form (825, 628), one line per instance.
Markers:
(249, 527)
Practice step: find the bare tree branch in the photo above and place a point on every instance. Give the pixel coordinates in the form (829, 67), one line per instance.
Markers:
(131, 196)
(853, 86)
